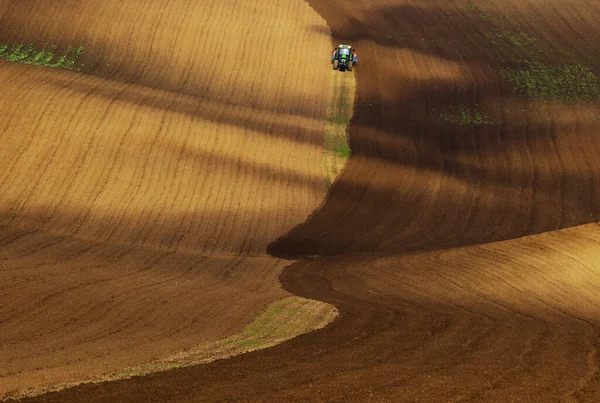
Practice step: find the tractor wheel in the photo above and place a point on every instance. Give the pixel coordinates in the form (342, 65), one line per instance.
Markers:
(350, 65)
(336, 64)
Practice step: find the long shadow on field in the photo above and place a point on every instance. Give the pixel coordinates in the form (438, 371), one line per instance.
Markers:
(151, 78)
(443, 185)
(418, 181)
(415, 180)
(295, 126)
(461, 31)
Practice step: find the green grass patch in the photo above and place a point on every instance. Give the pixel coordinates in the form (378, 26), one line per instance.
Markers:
(467, 116)
(337, 119)
(279, 321)
(518, 39)
(567, 82)
(335, 143)
(47, 55)
(343, 151)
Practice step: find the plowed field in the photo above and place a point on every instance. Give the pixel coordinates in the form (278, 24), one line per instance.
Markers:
(460, 243)
(139, 194)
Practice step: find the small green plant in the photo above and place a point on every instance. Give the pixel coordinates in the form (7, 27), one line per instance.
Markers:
(335, 143)
(567, 82)
(343, 151)
(279, 321)
(465, 116)
(518, 39)
(46, 55)
(337, 119)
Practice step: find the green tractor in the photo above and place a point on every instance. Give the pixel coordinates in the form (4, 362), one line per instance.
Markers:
(344, 58)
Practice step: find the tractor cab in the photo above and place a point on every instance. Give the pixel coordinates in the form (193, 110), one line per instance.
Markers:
(344, 51)
(343, 58)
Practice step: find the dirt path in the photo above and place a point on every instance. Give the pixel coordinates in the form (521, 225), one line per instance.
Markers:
(464, 269)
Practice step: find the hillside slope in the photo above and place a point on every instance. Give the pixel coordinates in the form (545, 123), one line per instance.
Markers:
(462, 235)
(139, 194)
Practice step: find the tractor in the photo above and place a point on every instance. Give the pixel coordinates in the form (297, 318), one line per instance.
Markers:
(344, 58)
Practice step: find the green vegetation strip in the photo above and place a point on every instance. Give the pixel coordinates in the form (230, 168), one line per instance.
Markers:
(570, 82)
(278, 322)
(341, 108)
(47, 56)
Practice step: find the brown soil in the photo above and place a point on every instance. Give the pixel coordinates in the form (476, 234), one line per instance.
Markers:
(139, 196)
(464, 258)
(279, 321)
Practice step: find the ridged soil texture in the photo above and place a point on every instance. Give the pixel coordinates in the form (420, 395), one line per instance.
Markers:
(141, 189)
(460, 243)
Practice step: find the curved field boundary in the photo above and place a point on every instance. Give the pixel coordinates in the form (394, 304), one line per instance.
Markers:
(278, 322)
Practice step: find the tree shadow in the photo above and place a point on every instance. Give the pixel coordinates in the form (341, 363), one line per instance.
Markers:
(419, 182)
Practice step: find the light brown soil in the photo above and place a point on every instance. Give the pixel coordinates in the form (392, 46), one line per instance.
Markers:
(138, 197)
(463, 258)
(280, 321)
